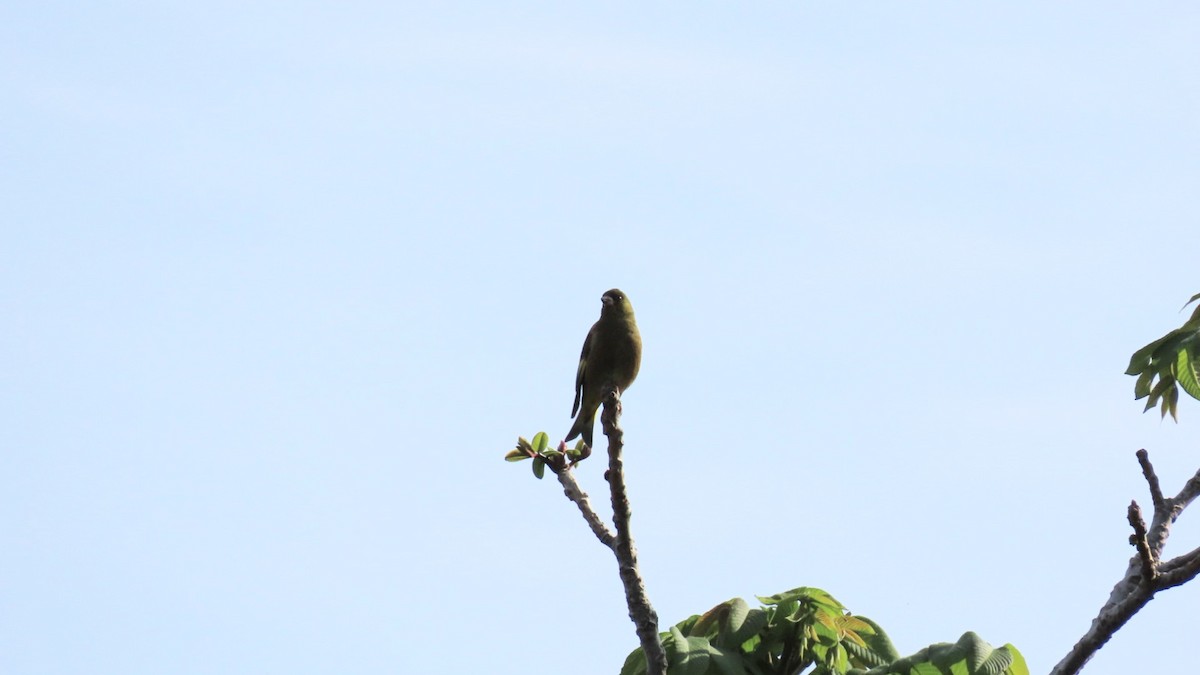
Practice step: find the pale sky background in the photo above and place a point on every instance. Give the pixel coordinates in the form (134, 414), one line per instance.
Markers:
(282, 282)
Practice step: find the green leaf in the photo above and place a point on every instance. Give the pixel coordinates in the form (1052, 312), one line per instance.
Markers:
(1166, 382)
(865, 656)
(685, 656)
(1141, 358)
(779, 630)
(802, 593)
(635, 663)
(977, 651)
(689, 626)
(736, 616)
(825, 627)
(996, 663)
(1141, 388)
(839, 661)
(879, 642)
(945, 655)
(1170, 400)
(540, 441)
(728, 662)
(1186, 372)
(539, 466)
(1194, 321)
(753, 622)
(1170, 343)
(789, 610)
(1018, 665)
(694, 659)
(516, 455)
(706, 624)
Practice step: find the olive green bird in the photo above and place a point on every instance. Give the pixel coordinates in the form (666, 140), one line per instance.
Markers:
(611, 357)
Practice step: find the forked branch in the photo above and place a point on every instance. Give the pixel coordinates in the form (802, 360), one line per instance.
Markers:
(1146, 573)
(645, 619)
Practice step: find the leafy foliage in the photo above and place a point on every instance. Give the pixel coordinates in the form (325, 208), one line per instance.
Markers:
(1174, 361)
(969, 656)
(539, 451)
(806, 628)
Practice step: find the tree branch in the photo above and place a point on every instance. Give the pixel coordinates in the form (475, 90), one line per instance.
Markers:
(1190, 491)
(645, 619)
(1156, 494)
(1138, 539)
(573, 492)
(1146, 574)
(1180, 570)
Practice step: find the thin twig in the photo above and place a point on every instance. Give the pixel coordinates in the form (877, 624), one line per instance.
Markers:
(571, 488)
(1138, 539)
(1156, 494)
(1166, 509)
(1179, 570)
(645, 619)
(1190, 491)
(1146, 573)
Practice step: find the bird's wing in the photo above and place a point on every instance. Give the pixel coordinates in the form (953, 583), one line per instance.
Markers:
(583, 355)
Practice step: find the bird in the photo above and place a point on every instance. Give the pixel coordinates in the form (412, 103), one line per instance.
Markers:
(611, 357)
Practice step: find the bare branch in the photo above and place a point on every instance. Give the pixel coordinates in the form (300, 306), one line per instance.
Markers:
(1146, 573)
(1168, 509)
(1180, 570)
(1138, 539)
(571, 488)
(1156, 495)
(1190, 491)
(645, 619)
(1112, 617)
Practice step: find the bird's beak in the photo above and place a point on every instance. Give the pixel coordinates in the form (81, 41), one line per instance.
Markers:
(606, 301)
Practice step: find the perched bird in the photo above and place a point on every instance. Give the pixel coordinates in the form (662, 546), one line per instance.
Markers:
(611, 356)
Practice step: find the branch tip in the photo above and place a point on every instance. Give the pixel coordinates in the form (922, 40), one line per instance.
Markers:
(1138, 539)
(1156, 495)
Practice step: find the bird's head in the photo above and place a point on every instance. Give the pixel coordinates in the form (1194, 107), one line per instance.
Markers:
(615, 302)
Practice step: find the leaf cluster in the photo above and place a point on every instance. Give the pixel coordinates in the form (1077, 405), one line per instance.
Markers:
(807, 628)
(969, 656)
(1168, 363)
(539, 450)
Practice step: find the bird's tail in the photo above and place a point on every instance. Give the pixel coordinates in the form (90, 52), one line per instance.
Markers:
(584, 424)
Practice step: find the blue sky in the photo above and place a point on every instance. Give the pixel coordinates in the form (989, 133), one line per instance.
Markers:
(283, 282)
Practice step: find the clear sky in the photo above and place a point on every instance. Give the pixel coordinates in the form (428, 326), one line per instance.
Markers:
(281, 282)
